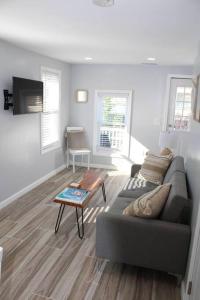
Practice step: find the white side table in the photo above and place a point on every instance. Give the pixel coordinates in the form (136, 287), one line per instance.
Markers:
(78, 152)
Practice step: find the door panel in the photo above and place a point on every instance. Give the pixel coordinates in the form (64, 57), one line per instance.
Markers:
(180, 104)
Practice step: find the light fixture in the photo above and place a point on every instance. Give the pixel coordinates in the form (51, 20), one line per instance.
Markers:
(88, 58)
(151, 59)
(104, 3)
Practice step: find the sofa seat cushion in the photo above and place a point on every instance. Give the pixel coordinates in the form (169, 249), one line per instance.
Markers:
(136, 187)
(177, 204)
(120, 204)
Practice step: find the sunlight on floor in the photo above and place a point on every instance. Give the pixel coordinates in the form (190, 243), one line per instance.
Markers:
(91, 213)
(118, 173)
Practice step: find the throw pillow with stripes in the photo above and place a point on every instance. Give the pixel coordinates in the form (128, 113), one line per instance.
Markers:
(155, 167)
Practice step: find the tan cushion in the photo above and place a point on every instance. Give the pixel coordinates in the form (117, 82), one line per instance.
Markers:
(155, 167)
(166, 151)
(150, 204)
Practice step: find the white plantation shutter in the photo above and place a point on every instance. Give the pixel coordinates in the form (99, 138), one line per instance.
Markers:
(50, 136)
(112, 122)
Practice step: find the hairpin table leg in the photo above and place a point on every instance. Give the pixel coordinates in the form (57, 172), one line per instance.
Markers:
(59, 218)
(80, 232)
(104, 192)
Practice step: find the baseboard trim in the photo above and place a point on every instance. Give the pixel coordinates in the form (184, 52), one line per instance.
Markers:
(33, 185)
(98, 166)
(28, 188)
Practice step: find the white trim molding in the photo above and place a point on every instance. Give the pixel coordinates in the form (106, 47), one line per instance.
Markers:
(28, 188)
(98, 166)
(167, 95)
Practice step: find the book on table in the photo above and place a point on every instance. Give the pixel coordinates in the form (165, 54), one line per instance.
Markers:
(73, 195)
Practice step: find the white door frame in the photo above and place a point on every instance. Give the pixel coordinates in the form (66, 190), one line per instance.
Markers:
(167, 95)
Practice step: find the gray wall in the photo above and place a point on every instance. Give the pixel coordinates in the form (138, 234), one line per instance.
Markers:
(21, 162)
(148, 84)
(192, 158)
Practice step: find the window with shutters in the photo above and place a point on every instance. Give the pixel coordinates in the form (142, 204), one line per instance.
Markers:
(112, 123)
(50, 129)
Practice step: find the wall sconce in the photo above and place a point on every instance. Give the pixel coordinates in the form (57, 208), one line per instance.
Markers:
(81, 96)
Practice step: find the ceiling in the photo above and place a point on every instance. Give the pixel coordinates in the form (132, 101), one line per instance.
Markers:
(127, 33)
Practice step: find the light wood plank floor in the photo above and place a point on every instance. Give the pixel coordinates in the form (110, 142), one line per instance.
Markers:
(39, 265)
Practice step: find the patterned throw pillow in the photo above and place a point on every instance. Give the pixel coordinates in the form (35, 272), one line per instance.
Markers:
(155, 167)
(150, 204)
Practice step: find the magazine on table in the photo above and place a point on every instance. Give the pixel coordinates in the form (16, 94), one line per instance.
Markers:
(71, 194)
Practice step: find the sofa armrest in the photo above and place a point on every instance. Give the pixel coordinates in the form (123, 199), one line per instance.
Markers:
(153, 244)
(134, 169)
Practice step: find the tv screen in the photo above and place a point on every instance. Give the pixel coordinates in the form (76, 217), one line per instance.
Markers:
(27, 96)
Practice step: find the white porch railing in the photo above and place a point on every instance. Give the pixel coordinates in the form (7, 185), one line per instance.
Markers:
(111, 137)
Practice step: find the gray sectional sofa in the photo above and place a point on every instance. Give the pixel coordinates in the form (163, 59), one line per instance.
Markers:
(160, 244)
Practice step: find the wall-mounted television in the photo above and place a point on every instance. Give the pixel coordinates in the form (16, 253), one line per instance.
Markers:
(27, 96)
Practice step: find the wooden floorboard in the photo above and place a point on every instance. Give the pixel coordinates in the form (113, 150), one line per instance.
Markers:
(39, 265)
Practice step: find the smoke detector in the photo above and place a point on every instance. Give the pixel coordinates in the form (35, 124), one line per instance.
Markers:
(104, 3)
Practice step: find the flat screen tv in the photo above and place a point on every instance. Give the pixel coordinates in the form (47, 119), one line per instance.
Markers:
(27, 96)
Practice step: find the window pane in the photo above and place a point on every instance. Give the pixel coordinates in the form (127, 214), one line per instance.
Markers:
(114, 111)
(180, 90)
(50, 116)
(51, 91)
(49, 129)
(185, 123)
(187, 109)
(182, 108)
(112, 117)
(112, 137)
(188, 94)
(188, 90)
(180, 97)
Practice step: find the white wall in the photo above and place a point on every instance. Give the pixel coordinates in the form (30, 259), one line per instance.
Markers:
(148, 84)
(192, 150)
(21, 162)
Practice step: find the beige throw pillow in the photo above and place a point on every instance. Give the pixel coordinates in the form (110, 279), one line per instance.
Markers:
(155, 167)
(166, 151)
(150, 204)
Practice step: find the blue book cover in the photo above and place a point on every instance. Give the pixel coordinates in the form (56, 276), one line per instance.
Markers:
(73, 195)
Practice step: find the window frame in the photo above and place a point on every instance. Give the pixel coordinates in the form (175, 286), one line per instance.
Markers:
(182, 116)
(167, 99)
(56, 145)
(111, 152)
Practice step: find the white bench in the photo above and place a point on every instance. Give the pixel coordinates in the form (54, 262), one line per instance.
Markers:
(76, 145)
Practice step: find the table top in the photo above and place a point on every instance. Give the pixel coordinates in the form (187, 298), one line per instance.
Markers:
(91, 182)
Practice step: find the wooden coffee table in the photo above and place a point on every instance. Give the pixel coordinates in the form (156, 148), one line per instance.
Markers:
(91, 182)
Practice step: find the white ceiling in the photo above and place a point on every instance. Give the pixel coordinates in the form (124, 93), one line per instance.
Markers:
(126, 33)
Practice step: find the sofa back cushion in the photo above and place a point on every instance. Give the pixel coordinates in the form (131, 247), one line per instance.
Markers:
(154, 168)
(166, 151)
(176, 208)
(177, 164)
(150, 204)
